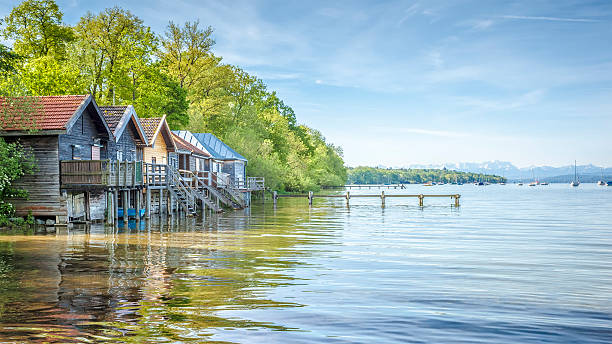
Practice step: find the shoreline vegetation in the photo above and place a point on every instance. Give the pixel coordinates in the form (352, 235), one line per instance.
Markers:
(372, 175)
(118, 59)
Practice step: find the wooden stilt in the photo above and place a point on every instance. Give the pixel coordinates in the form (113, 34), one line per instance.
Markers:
(115, 205)
(457, 200)
(309, 197)
(138, 194)
(274, 197)
(421, 197)
(125, 207)
(382, 197)
(148, 203)
(348, 197)
(161, 200)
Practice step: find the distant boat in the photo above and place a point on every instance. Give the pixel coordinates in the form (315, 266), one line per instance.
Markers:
(520, 184)
(428, 184)
(601, 182)
(535, 182)
(575, 182)
(543, 183)
(502, 183)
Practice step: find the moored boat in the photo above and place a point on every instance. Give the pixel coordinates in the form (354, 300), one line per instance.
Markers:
(575, 182)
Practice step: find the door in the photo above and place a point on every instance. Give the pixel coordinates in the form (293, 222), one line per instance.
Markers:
(95, 153)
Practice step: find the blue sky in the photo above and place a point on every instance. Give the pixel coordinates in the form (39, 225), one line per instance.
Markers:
(406, 82)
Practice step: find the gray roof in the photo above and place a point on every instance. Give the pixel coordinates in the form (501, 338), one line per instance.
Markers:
(210, 143)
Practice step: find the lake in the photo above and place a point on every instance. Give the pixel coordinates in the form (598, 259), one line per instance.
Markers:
(512, 264)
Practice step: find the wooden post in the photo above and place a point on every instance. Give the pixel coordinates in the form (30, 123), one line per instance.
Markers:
(348, 197)
(161, 200)
(125, 208)
(309, 197)
(125, 174)
(382, 197)
(109, 208)
(148, 202)
(116, 205)
(457, 200)
(138, 197)
(274, 197)
(421, 200)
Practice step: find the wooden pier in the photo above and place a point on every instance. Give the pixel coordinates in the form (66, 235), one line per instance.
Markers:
(382, 197)
(367, 186)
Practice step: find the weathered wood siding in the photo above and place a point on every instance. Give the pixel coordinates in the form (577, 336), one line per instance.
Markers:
(234, 168)
(44, 186)
(82, 134)
(97, 204)
(126, 145)
(159, 151)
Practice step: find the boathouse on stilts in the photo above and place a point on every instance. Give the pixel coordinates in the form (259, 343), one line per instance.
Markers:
(97, 163)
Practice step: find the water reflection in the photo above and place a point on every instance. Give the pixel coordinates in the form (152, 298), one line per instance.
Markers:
(169, 279)
(510, 265)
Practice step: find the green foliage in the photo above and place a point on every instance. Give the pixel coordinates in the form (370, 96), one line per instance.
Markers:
(36, 26)
(371, 175)
(16, 162)
(115, 57)
(160, 94)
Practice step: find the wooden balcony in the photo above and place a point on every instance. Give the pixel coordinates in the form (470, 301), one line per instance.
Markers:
(101, 173)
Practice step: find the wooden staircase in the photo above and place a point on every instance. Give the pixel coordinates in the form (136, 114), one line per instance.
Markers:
(186, 194)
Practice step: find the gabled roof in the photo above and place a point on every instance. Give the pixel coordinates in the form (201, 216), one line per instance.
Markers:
(209, 142)
(182, 145)
(153, 126)
(45, 113)
(118, 118)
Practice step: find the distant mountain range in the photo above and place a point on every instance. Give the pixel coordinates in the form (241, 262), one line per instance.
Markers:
(587, 173)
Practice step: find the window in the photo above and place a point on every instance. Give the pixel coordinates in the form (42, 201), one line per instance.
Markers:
(153, 160)
(76, 152)
(119, 156)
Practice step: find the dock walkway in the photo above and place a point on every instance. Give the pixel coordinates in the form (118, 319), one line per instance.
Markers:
(382, 197)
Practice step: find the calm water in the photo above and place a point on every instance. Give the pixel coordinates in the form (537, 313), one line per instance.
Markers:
(511, 265)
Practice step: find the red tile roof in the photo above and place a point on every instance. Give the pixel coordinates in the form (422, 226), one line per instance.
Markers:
(112, 115)
(41, 113)
(184, 145)
(150, 126)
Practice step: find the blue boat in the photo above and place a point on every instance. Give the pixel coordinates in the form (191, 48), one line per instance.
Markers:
(131, 212)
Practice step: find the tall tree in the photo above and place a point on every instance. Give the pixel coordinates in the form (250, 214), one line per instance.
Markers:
(185, 49)
(113, 46)
(37, 29)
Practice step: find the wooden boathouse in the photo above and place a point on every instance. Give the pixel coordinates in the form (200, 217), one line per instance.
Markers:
(106, 162)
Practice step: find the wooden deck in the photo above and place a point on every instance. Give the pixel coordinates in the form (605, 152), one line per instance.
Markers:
(101, 173)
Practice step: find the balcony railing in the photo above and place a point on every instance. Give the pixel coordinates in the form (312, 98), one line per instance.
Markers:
(104, 173)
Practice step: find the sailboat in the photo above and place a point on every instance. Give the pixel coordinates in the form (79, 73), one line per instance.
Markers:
(601, 181)
(575, 182)
(535, 181)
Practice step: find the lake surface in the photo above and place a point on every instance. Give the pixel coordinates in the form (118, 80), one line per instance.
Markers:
(510, 265)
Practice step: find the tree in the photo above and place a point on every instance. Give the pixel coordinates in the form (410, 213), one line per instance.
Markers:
(162, 95)
(113, 47)
(16, 162)
(185, 50)
(37, 28)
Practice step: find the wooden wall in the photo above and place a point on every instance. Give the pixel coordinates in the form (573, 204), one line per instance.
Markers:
(126, 144)
(43, 187)
(235, 168)
(158, 151)
(82, 133)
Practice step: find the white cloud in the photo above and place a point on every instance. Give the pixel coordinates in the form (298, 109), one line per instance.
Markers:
(482, 24)
(581, 20)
